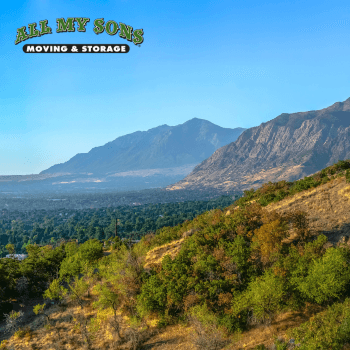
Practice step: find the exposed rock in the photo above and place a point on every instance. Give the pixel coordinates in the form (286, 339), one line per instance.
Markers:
(288, 147)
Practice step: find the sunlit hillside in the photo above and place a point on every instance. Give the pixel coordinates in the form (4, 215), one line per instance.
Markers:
(271, 271)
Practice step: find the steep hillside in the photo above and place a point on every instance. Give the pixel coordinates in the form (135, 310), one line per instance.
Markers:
(259, 274)
(286, 148)
(161, 147)
(324, 199)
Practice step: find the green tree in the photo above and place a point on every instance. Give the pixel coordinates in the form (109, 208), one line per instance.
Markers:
(263, 298)
(328, 277)
(10, 248)
(108, 299)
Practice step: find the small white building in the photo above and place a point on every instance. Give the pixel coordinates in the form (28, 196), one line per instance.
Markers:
(17, 256)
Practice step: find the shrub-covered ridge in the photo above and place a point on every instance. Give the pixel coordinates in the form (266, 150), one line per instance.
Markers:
(237, 270)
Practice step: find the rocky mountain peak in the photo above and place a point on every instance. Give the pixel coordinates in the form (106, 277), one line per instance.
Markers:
(288, 147)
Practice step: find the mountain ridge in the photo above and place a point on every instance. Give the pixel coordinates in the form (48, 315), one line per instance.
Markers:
(160, 147)
(288, 147)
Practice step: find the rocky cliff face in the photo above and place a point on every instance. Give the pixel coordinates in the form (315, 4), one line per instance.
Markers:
(288, 147)
(161, 147)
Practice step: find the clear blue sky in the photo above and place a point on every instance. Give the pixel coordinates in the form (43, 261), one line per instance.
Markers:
(234, 63)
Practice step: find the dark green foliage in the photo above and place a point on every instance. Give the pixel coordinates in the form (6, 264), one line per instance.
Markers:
(153, 296)
(212, 267)
(347, 175)
(78, 257)
(45, 261)
(237, 266)
(90, 250)
(28, 278)
(21, 228)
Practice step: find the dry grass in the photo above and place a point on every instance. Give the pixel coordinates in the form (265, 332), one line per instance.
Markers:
(327, 208)
(328, 211)
(65, 331)
(155, 256)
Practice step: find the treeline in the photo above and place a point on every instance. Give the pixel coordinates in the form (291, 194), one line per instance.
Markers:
(22, 228)
(24, 201)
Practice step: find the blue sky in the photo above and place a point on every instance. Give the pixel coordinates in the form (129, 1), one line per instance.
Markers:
(234, 63)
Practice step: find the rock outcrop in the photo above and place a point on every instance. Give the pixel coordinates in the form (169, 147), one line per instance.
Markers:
(286, 148)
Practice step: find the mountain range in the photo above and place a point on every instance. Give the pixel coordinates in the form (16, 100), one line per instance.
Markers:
(287, 147)
(158, 148)
(140, 160)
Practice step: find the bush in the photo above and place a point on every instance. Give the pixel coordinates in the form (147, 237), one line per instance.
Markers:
(327, 330)
(347, 176)
(55, 291)
(269, 238)
(87, 253)
(12, 321)
(328, 277)
(263, 298)
(91, 250)
(280, 344)
(153, 297)
(208, 334)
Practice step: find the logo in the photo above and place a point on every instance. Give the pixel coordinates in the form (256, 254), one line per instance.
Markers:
(63, 26)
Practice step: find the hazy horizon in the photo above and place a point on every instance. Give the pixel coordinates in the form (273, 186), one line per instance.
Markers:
(233, 64)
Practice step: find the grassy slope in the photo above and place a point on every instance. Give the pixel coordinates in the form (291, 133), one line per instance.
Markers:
(325, 197)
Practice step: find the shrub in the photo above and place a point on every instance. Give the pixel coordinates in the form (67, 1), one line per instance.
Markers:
(269, 238)
(153, 296)
(263, 298)
(108, 299)
(328, 277)
(12, 320)
(55, 291)
(3, 344)
(347, 176)
(39, 309)
(87, 253)
(327, 330)
(280, 344)
(208, 334)
(71, 266)
(91, 250)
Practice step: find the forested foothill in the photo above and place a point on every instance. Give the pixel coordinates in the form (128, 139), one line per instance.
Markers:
(224, 275)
